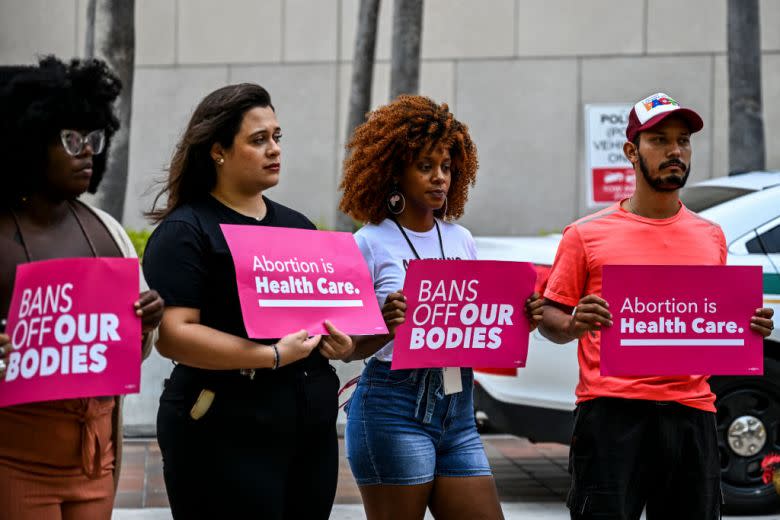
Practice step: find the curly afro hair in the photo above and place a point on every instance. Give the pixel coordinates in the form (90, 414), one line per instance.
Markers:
(37, 102)
(392, 138)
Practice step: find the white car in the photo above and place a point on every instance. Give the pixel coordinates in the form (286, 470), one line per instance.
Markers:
(537, 401)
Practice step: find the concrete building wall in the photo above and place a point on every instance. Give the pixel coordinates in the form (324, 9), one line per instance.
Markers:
(518, 72)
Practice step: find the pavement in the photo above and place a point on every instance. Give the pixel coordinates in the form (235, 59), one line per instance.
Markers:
(512, 511)
(532, 482)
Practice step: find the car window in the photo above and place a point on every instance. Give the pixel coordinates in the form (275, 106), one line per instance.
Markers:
(753, 246)
(771, 240)
(699, 198)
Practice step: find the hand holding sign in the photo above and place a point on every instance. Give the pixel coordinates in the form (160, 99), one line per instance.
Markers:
(534, 311)
(761, 321)
(296, 346)
(589, 315)
(149, 308)
(336, 346)
(394, 311)
(5, 354)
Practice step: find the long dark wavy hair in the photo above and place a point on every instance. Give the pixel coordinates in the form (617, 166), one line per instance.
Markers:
(217, 119)
(36, 102)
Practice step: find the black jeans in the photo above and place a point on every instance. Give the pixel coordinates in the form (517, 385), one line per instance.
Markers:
(628, 454)
(266, 448)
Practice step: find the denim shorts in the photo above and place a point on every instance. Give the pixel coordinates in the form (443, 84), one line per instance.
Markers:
(403, 430)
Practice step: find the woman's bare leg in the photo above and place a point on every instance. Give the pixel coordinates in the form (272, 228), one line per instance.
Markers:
(386, 502)
(465, 498)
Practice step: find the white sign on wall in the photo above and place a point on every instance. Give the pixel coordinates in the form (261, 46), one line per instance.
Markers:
(609, 175)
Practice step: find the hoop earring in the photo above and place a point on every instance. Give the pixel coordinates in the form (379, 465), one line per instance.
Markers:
(396, 202)
(443, 209)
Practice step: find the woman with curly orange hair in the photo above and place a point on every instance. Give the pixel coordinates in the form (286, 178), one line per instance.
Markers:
(411, 437)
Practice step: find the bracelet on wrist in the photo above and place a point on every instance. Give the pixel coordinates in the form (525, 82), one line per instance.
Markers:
(276, 357)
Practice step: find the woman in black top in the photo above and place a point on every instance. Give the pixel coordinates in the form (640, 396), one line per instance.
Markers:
(247, 429)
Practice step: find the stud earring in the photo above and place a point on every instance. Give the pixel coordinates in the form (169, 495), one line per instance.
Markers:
(220, 161)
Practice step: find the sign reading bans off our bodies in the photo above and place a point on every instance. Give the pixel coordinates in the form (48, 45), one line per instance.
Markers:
(464, 313)
(681, 320)
(73, 330)
(293, 279)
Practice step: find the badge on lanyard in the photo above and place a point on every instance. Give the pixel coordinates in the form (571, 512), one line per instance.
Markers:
(452, 381)
(451, 375)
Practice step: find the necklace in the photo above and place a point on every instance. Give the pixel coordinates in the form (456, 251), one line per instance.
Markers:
(411, 246)
(78, 221)
(224, 203)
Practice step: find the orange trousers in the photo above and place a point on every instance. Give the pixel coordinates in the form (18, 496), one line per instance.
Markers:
(56, 460)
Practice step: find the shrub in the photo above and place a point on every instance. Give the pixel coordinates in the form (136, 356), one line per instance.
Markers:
(139, 239)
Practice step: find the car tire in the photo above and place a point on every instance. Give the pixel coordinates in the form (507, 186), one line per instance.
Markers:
(757, 397)
(483, 422)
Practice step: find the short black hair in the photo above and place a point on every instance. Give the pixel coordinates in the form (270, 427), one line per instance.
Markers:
(36, 102)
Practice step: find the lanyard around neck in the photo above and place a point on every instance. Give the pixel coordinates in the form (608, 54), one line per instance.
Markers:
(411, 246)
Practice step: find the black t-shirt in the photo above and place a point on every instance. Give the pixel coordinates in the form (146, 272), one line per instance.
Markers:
(188, 262)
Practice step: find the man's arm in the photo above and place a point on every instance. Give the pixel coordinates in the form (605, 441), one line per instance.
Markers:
(561, 325)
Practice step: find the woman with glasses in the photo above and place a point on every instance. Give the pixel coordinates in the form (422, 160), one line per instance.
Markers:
(247, 428)
(59, 459)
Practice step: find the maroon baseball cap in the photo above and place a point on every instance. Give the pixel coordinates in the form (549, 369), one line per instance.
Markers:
(654, 109)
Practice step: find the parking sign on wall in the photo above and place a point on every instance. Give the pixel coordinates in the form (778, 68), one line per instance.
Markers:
(610, 176)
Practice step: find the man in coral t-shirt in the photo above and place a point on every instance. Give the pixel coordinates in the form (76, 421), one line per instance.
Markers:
(639, 441)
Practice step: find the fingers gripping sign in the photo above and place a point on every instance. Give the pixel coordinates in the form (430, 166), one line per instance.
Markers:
(337, 345)
(762, 322)
(590, 314)
(394, 311)
(5, 354)
(149, 308)
(534, 311)
(296, 346)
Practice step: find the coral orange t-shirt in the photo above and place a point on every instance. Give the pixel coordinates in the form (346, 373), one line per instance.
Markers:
(616, 236)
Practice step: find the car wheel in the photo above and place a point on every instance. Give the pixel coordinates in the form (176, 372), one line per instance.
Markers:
(483, 423)
(748, 424)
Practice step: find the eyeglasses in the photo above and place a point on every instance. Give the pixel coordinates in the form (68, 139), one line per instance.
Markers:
(74, 143)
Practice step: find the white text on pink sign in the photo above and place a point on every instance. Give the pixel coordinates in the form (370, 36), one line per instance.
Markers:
(672, 316)
(297, 283)
(48, 339)
(446, 316)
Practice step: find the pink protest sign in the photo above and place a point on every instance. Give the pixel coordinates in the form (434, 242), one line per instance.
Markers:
(292, 279)
(74, 330)
(681, 320)
(464, 313)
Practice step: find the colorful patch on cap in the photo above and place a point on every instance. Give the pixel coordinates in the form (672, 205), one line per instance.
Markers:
(654, 105)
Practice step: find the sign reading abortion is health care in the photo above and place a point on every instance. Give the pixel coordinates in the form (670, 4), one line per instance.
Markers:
(293, 279)
(464, 313)
(73, 330)
(681, 320)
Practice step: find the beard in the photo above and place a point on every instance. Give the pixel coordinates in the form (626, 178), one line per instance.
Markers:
(665, 183)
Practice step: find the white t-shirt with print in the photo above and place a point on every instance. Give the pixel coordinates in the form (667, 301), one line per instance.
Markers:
(387, 254)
